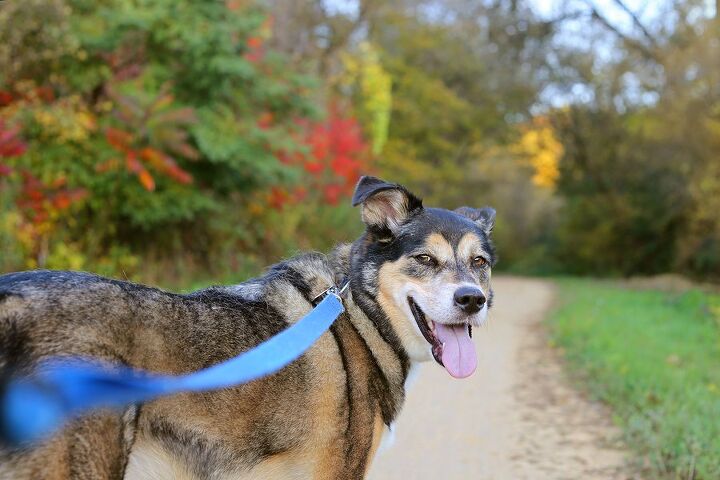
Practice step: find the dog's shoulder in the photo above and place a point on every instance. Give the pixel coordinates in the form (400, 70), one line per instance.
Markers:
(307, 275)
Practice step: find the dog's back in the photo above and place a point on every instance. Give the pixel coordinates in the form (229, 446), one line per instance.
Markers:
(296, 423)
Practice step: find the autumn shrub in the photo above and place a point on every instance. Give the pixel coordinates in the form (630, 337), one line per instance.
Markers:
(159, 133)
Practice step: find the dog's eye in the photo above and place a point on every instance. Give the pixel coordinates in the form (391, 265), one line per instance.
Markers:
(426, 259)
(479, 261)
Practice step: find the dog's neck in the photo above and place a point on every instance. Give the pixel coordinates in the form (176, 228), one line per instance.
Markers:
(393, 365)
(339, 259)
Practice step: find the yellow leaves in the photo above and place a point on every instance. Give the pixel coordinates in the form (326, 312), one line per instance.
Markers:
(67, 120)
(543, 151)
(365, 73)
(64, 256)
(714, 308)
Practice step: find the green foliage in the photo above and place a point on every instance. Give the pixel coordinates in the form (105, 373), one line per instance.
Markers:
(625, 196)
(144, 124)
(653, 357)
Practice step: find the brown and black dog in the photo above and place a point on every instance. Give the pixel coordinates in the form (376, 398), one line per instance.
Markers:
(419, 280)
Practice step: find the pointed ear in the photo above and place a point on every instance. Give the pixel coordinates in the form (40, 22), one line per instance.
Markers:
(384, 205)
(484, 217)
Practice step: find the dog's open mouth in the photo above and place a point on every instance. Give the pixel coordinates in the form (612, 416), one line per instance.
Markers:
(451, 345)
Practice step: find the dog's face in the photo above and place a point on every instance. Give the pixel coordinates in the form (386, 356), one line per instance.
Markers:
(428, 269)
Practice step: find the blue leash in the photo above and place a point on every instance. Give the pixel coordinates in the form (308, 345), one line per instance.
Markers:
(34, 407)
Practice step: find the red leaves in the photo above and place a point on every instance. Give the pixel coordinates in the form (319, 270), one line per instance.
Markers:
(40, 202)
(332, 193)
(278, 197)
(6, 98)
(337, 144)
(265, 120)
(256, 43)
(11, 145)
(338, 156)
(314, 168)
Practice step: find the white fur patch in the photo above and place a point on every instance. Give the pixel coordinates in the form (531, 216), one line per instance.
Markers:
(249, 290)
(388, 437)
(149, 461)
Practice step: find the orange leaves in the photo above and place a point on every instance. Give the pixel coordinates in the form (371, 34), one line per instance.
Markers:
(166, 165)
(162, 130)
(254, 43)
(136, 160)
(234, 5)
(119, 139)
(146, 180)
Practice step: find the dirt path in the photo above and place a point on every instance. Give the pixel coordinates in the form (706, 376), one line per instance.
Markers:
(516, 418)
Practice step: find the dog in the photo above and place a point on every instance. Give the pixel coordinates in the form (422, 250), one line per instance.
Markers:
(419, 280)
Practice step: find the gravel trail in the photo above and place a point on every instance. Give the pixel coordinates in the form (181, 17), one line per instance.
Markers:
(518, 417)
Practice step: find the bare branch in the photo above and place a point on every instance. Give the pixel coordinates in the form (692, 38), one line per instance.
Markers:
(569, 16)
(340, 40)
(636, 21)
(648, 52)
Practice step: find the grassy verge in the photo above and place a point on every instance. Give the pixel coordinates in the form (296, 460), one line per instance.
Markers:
(654, 357)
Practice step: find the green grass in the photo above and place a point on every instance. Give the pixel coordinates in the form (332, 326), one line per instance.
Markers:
(654, 357)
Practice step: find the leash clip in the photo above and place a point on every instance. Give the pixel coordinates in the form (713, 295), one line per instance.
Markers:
(338, 293)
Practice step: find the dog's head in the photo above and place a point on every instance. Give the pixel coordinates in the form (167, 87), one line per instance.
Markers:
(427, 269)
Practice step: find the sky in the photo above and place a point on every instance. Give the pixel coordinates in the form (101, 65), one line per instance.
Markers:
(650, 12)
(647, 10)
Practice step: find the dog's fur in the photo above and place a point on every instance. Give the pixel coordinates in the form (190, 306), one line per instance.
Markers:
(321, 417)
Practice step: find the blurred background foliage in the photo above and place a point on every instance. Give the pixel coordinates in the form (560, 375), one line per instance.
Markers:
(175, 141)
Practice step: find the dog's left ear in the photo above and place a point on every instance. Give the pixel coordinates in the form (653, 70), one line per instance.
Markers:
(484, 217)
(384, 205)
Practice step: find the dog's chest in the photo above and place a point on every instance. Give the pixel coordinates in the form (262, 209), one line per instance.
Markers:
(150, 461)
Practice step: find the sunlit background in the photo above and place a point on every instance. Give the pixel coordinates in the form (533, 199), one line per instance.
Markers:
(184, 143)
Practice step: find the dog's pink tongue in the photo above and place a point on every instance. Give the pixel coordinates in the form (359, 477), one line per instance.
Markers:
(458, 353)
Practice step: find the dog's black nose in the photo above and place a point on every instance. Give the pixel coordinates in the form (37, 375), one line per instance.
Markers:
(469, 299)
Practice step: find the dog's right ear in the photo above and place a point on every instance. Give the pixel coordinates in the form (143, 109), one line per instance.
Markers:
(384, 205)
(483, 217)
